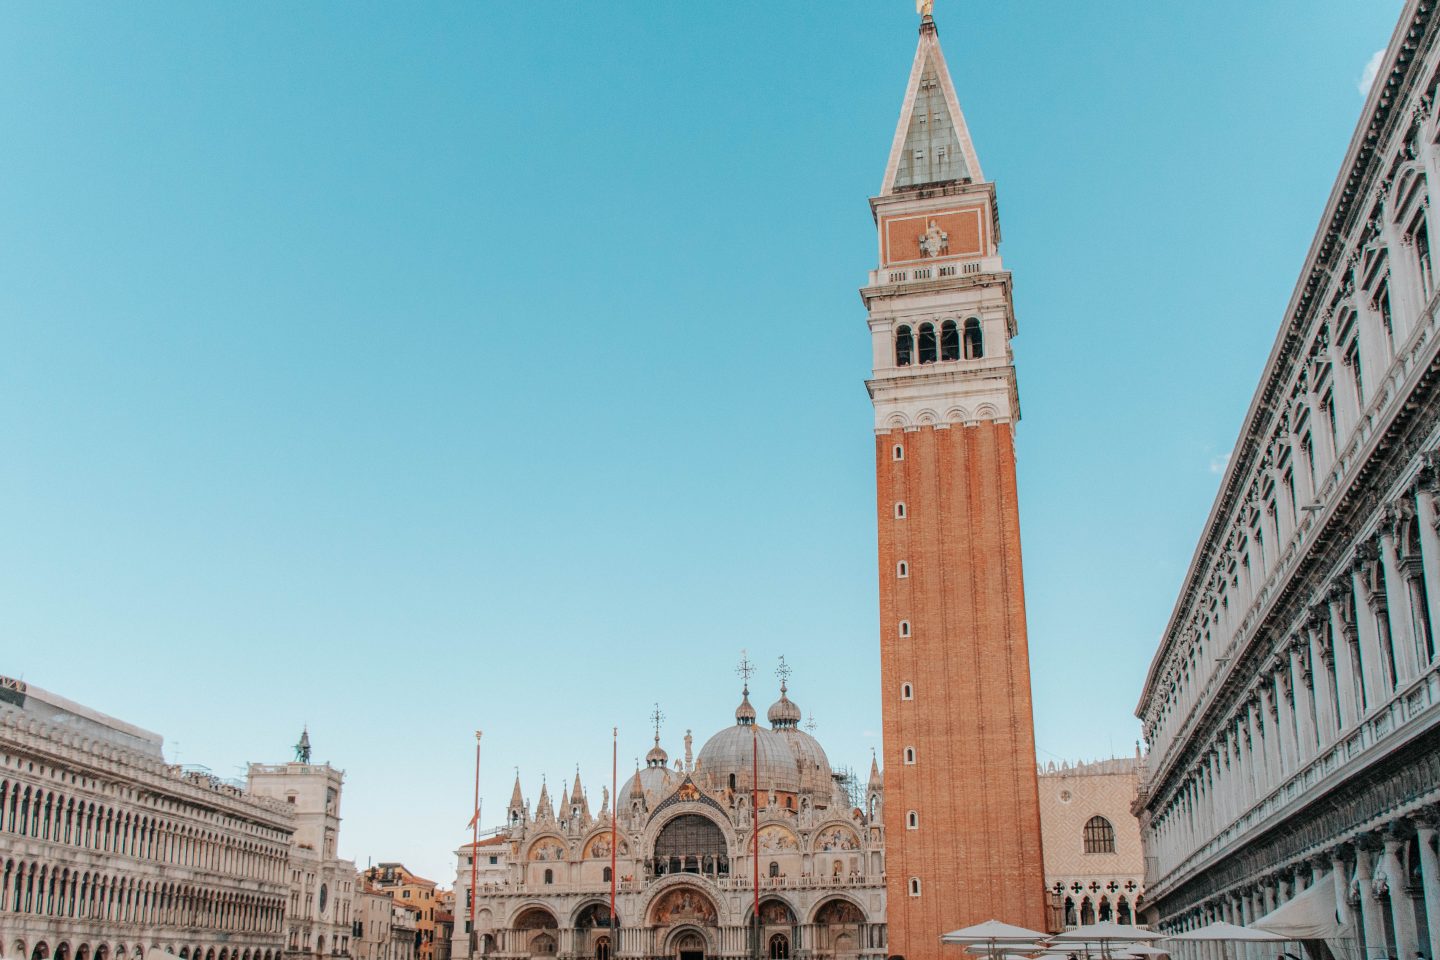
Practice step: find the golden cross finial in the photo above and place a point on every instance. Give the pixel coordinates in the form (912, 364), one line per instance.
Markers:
(658, 718)
(745, 669)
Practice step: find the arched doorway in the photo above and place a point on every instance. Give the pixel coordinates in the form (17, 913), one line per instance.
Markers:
(592, 926)
(537, 931)
(689, 945)
(838, 925)
(777, 928)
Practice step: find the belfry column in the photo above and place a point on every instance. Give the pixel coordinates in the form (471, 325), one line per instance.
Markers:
(958, 730)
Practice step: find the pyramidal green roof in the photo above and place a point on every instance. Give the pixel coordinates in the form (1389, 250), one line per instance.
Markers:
(932, 143)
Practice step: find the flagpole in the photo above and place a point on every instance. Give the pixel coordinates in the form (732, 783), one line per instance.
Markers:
(614, 832)
(475, 846)
(755, 822)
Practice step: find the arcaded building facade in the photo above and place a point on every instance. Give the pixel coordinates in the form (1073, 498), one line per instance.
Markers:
(1094, 863)
(961, 809)
(1292, 710)
(107, 851)
(683, 862)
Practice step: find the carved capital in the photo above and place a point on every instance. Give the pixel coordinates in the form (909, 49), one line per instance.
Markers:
(1369, 842)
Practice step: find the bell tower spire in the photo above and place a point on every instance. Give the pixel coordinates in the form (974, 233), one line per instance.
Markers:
(959, 777)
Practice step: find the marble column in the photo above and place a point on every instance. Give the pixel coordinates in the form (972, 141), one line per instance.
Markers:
(1428, 516)
(1402, 909)
(1349, 666)
(1341, 872)
(1375, 667)
(1320, 657)
(1370, 906)
(1306, 714)
(1397, 600)
(1427, 830)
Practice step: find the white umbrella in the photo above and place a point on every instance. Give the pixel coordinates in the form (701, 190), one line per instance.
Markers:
(997, 937)
(992, 931)
(1220, 930)
(1107, 932)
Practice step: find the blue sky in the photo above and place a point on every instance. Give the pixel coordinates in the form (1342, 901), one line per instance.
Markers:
(405, 370)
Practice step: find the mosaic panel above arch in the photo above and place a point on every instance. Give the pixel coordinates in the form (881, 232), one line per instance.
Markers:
(599, 848)
(777, 839)
(547, 849)
(836, 838)
(683, 905)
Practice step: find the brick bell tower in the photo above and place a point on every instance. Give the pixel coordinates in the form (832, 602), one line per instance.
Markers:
(962, 813)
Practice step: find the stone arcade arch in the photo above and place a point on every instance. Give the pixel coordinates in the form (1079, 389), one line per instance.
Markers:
(839, 928)
(689, 942)
(591, 921)
(536, 930)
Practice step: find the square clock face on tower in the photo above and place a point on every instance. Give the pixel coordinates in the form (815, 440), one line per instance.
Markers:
(942, 235)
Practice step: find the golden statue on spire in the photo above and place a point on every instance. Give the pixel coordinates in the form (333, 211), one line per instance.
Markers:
(924, 7)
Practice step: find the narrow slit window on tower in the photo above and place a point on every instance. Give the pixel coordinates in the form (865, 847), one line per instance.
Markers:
(904, 628)
(902, 570)
(910, 755)
(974, 339)
(904, 346)
(899, 452)
(912, 820)
(907, 691)
(927, 343)
(900, 510)
(949, 341)
(914, 886)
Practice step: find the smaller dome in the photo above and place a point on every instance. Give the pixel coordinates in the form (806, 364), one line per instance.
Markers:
(783, 712)
(657, 757)
(744, 713)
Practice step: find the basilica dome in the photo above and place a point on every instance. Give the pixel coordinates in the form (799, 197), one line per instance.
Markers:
(810, 759)
(655, 781)
(727, 759)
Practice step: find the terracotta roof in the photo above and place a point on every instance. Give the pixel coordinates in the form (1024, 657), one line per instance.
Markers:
(494, 841)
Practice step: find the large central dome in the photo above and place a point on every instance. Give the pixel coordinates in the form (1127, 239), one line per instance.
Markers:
(727, 759)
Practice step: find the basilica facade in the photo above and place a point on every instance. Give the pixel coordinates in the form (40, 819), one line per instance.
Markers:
(683, 849)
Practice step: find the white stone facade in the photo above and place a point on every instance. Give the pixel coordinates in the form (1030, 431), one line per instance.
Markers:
(684, 868)
(1292, 711)
(322, 886)
(107, 851)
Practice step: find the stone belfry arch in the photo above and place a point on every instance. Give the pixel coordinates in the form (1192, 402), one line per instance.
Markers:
(962, 815)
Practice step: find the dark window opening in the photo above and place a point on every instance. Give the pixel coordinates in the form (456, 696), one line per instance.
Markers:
(927, 343)
(949, 341)
(904, 346)
(974, 339)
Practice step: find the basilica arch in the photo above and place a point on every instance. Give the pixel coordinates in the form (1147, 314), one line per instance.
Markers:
(693, 840)
(535, 931)
(839, 924)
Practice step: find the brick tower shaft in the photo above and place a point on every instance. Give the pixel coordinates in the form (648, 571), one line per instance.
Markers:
(961, 805)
